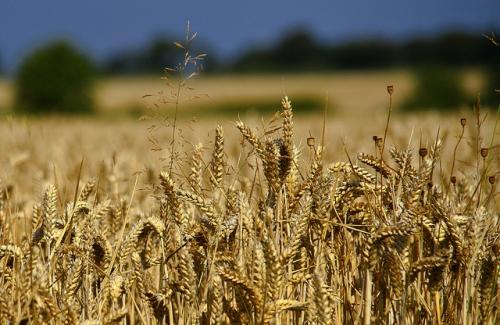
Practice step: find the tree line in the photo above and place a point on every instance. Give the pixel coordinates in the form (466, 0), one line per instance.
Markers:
(59, 78)
(301, 51)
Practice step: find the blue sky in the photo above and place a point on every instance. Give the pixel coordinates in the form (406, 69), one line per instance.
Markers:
(102, 27)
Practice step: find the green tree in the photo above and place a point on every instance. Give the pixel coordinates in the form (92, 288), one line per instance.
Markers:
(56, 78)
(490, 96)
(436, 88)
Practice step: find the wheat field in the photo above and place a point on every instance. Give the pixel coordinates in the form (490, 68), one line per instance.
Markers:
(276, 220)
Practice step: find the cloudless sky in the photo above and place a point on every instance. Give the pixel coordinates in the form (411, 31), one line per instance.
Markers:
(103, 27)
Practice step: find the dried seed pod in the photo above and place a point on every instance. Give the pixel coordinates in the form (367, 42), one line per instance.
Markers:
(422, 152)
(484, 152)
(463, 121)
(390, 89)
(453, 180)
(311, 141)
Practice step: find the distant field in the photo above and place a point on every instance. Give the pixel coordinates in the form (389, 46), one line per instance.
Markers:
(348, 92)
(44, 144)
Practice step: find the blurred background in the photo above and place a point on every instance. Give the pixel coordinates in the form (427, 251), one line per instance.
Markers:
(107, 58)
